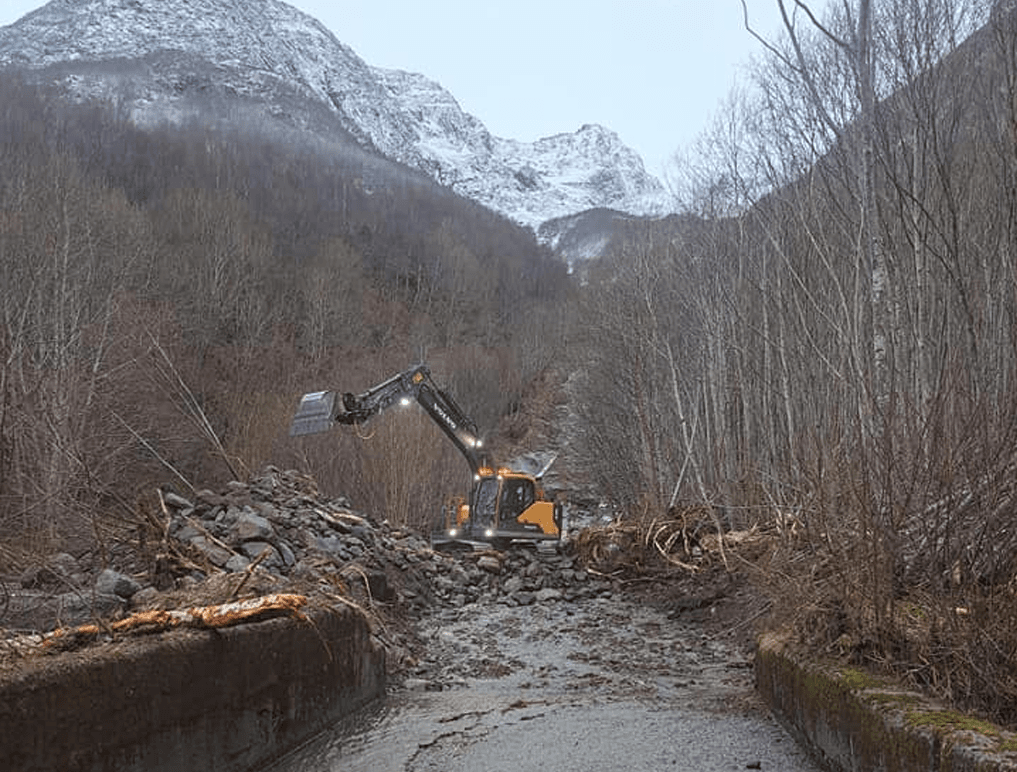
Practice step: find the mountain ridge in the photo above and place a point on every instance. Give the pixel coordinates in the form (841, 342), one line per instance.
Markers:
(261, 49)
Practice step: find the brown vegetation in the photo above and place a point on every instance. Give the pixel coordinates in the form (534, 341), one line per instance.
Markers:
(825, 340)
(168, 295)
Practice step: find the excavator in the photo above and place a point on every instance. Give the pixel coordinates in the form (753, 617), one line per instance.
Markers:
(503, 506)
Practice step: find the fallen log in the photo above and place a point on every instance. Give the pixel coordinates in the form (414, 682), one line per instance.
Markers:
(201, 617)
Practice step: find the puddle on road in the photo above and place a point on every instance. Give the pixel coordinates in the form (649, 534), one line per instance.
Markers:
(601, 685)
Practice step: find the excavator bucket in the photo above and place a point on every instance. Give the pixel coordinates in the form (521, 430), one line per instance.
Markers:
(316, 413)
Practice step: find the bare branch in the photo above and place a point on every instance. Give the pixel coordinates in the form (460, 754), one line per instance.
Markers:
(803, 69)
(816, 23)
(766, 43)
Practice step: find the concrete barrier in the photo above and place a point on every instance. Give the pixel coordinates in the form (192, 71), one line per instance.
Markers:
(227, 699)
(854, 721)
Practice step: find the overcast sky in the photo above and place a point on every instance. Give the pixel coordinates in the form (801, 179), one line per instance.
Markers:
(654, 71)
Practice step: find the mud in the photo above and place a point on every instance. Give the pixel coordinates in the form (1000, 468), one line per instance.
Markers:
(613, 682)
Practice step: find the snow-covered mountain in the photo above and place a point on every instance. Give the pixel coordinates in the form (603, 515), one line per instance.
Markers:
(222, 60)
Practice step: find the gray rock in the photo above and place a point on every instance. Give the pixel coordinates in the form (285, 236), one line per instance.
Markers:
(377, 584)
(210, 498)
(187, 533)
(329, 544)
(360, 534)
(513, 584)
(490, 564)
(111, 582)
(80, 580)
(60, 569)
(254, 548)
(266, 509)
(143, 597)
(252, 527)
(215, 554)
(73, 608)
(237, 563)
(99, 604)
(63, 564)
(286, 552)
(175, 501)
(548, 594)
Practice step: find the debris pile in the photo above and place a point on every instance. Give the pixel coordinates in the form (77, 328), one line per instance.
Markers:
(278, 525)
(272, 536)
(276, 536)
(689, 539)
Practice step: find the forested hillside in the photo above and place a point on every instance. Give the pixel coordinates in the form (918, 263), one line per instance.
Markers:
(827, 338)
(167, 297)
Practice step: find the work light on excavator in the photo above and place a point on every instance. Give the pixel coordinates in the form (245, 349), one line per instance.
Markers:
(502, 508)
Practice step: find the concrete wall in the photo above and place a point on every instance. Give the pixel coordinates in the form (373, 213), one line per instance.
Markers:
(856, 722)
(226, 700)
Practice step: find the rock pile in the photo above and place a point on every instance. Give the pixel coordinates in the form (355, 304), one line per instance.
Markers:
(277, 523)
(280, 522)
(62, 591)
(276, 533)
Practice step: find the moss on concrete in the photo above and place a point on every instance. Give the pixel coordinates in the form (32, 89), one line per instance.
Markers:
(946, 721)
(856, 679)
(852, 719)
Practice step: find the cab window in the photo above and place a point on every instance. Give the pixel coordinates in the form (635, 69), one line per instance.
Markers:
(516, 496)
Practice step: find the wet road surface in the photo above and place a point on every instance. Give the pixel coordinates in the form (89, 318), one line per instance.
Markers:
(593, 685)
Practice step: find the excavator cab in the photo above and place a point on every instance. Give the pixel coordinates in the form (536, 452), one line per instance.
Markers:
(505, 506)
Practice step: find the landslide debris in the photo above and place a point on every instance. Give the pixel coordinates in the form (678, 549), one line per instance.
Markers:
(277, 536)
(272, 535)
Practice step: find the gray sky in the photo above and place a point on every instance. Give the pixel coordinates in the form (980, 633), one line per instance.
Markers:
(654, 71)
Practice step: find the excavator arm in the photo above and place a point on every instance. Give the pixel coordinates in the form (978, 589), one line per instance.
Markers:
(503, 506)
(320, 410)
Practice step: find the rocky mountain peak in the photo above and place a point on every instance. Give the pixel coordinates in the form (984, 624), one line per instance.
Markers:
(157, 56)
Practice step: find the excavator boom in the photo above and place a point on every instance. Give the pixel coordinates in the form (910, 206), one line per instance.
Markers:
(319, 411)
(503, 506)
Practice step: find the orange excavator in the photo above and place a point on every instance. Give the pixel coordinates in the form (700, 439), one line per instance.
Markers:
(503, 506)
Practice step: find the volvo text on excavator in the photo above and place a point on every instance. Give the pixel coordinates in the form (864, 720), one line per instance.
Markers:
(503, 506)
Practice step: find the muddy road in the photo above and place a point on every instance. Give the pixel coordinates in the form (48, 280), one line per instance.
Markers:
(602, 655)
(611, 682)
